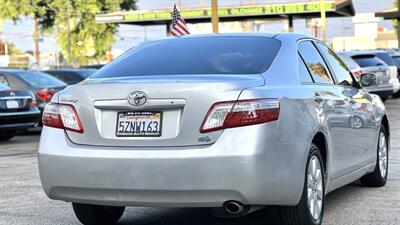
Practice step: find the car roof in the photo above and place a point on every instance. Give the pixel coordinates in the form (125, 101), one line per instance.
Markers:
(364, 52)
(71, 69)
(11, 70)
(292, 35)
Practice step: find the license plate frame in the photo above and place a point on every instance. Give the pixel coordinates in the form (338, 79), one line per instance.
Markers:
(129, 131)
(12, 104)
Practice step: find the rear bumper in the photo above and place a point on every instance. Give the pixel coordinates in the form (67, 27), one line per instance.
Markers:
(242, 168)
(19, 120)
(384, 91)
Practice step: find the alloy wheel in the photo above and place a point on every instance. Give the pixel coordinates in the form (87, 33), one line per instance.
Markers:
(315, 187)
(382, 154)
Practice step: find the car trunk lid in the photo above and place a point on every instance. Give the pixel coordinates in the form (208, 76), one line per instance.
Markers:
(182, 101)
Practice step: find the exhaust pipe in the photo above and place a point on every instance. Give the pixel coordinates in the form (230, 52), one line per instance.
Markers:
(234, 208)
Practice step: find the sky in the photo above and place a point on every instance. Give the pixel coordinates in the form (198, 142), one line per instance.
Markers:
(129, 35)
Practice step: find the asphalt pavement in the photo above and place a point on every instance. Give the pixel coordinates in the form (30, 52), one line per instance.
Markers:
(23, 202)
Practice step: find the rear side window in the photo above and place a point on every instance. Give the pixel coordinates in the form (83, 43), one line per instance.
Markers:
(314, 62)
(386, 58)
(342, 74)
(305, 76)
(40, 80)
(3, 87)
(368, 60)
(4, 80)
(201, 55)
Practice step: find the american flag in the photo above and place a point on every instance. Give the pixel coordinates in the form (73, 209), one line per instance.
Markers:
(178, 25)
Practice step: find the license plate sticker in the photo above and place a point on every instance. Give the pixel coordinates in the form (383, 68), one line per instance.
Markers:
(12, 104)
(139, 124)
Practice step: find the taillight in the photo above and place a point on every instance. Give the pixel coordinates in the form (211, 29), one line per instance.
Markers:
(62, 116)
(240, 113)
(357, 73)
(45, 94)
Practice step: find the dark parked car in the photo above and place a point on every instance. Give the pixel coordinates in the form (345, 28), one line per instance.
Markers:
(97, 66)
(71, 75)
(18, 111)
(42, 85)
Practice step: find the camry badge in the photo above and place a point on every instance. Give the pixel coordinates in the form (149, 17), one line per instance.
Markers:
(137, 98)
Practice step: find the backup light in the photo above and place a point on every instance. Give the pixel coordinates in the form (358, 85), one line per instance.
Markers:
(62, 116)
(240, 113)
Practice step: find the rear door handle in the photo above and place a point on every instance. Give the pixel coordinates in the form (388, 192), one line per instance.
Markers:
(351, 100)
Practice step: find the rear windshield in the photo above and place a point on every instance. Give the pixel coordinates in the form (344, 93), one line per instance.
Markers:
(86, 73)
(204, 55)
(40, 80)
(386, 58)
(397, 60)
(349, 62)
(368, 60)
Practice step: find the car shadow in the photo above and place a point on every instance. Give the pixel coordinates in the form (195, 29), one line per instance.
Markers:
(198, 216)
(195, 216)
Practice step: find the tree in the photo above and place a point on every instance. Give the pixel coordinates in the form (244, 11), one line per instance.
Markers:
(38, 9)
(77, 33)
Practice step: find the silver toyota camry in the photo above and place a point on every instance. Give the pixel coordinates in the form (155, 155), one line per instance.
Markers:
(230, 122)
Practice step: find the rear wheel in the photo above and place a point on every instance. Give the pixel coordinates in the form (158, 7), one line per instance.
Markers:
(310, 209)
(96, 214)
(379, 176)
(6, 135)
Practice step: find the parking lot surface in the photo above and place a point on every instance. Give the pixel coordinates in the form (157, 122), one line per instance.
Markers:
(22, 200)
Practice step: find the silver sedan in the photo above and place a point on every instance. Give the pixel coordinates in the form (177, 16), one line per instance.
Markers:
(231, 122)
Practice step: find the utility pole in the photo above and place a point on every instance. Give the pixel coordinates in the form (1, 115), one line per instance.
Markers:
(323, 19)
(398, 24)
(36, 52)
(214, 17)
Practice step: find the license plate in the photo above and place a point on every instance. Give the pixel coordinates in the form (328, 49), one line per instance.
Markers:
(139, 124)
(11, 104)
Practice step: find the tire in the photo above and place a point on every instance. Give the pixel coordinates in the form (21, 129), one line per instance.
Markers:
(5, 136)
(301, 213)
(379, 176)
(96, 214)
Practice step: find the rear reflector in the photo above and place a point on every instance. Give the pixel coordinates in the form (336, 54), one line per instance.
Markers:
(62, 116)
(240, 113)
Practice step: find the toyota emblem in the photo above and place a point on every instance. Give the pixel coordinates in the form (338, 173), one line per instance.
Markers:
(137, 98)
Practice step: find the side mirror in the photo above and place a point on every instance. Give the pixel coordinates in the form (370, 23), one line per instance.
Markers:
(368, 79)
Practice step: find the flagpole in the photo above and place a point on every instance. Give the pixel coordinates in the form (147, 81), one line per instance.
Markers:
(214, 17)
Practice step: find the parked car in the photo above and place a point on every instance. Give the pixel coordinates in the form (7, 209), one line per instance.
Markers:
(227, 127)
(351, 64)
(42, 85)
(70, 75)
(96, 66)
(18, 111)
(388, 83)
